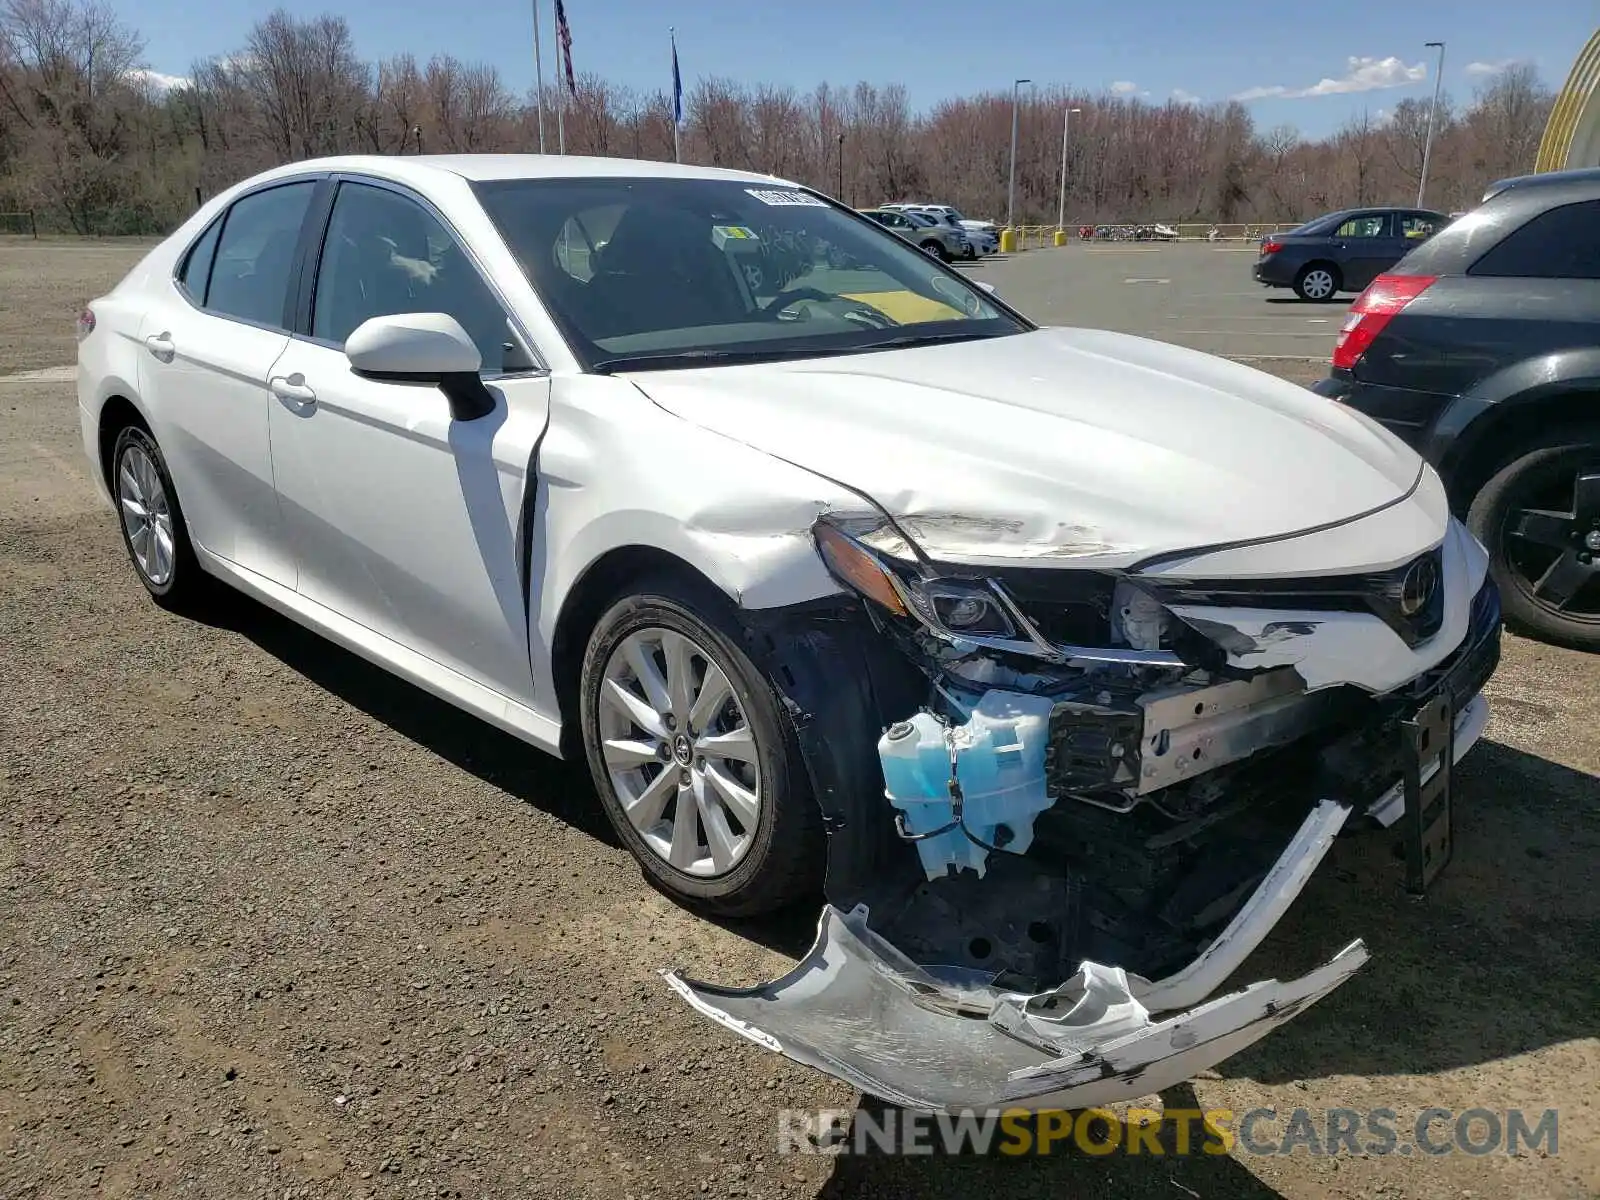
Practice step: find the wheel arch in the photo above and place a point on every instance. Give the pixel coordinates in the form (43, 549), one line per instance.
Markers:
(1480, 432)
(586, 600)
(117, 412)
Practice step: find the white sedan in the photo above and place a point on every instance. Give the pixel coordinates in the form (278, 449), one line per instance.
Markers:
(1061, 655)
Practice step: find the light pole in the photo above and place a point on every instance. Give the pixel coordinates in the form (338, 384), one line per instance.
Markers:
(1061, 208)
(839, 196)
(1011, 200)
(1433, 119)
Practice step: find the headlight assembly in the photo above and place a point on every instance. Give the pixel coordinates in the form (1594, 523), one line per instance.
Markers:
(956, 609)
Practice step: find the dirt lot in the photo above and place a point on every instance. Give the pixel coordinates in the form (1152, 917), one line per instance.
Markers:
(276, 925)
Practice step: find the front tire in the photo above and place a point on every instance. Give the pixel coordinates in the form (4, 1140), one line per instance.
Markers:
(937, 250)
(696, 765)
(1318, 282)
(1539, 518)
(151, 519)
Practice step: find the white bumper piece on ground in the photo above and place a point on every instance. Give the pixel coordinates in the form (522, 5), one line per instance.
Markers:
(948, 1041)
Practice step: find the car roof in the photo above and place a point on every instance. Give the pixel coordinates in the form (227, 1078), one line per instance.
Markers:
(487, 167)
(1544, 179)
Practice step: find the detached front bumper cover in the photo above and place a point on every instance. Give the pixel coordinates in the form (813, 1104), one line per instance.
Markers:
(947, 1040)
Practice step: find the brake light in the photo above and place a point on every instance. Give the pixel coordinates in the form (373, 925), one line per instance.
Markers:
(1373, 309)
(85, 322)
(1271, 247)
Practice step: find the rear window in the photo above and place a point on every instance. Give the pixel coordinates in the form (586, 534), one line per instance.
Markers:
(1561, 243)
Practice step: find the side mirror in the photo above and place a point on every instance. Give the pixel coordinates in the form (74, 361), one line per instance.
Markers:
(422, 348)
(988, 287)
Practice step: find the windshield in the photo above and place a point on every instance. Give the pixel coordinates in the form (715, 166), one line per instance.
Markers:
(647, 273)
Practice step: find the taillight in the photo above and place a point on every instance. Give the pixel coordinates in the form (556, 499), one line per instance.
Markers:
(1373, 309)
(1271, 247)
(85, 322)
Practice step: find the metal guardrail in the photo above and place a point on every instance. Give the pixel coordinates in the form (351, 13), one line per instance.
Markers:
(1031, 237)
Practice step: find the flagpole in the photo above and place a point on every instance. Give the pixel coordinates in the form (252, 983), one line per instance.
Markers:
(677, 86)
(538, 74)
(561, 107)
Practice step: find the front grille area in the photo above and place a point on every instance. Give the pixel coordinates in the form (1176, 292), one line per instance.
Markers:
(1383, 593)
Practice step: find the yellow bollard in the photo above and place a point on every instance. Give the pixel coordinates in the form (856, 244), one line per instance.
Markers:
(1008, 241)
(1061, 237)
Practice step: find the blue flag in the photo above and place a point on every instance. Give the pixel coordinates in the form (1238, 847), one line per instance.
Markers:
(677, 87)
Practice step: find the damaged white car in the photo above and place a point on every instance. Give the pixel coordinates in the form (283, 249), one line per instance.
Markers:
(1055, 659)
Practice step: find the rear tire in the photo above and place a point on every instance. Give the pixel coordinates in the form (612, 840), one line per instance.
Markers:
(1536, 560)
(747, 795)
(1318, 282)
(154, 532)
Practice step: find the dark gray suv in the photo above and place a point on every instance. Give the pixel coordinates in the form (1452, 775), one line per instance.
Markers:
(1481, 348)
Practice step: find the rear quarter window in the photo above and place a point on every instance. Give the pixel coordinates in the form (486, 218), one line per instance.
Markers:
(1560, 243)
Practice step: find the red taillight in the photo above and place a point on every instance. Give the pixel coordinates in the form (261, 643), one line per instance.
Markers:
(1373, 309)
(1271, 247)
(85, 322)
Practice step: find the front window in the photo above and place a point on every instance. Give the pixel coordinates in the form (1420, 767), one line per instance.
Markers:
(1370, 226)
(652, 273)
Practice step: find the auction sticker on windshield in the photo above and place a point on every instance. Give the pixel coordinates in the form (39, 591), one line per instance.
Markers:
(779, 199)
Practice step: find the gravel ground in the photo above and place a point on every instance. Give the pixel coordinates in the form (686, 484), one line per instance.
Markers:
(275, 925)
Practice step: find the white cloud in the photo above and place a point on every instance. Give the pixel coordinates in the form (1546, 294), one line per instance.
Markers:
(1183, 97)
(1363, 74)
(1482, 70)
(1124, 87)
(157, 80)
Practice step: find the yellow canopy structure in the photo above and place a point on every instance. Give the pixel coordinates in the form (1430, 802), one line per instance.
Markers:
(1572, 136)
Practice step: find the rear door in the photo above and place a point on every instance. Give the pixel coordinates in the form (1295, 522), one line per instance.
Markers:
(210, 340)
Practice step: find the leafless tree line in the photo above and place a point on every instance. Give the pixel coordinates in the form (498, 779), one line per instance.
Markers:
(94, 144)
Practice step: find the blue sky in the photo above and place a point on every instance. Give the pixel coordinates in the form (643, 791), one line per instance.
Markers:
(1313, 70)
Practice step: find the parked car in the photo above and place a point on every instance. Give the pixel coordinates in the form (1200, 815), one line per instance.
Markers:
(980, 242)
(938, 239)
(1061, 656)
(968, 223)
(1343, 251)
(1482, 350)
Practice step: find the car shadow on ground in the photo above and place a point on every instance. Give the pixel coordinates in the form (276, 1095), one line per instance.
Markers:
(1515, 917)
(559, 787)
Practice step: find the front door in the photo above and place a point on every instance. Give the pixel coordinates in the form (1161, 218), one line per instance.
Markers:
(1367, 248)
(403, 519)
(209, 341)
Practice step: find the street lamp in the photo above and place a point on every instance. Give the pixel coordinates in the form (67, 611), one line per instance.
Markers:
(1433, 119)
(839, 195)
(1061, 208)
(1011, 201)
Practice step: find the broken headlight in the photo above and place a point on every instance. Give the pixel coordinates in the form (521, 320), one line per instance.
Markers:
(984, 612)
(967, 608)
(955, 608)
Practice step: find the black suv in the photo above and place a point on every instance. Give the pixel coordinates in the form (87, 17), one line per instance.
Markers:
(1342, 251)
(1482, 350)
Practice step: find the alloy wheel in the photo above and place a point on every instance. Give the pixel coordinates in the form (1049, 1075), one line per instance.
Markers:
(1552, 544)
(146, 515)
(680, 752)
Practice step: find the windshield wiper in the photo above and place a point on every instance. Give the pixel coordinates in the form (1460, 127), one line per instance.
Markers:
(705, 358)
(925, 339)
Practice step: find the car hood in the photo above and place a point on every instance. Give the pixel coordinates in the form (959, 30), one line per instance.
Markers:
(1057, 446)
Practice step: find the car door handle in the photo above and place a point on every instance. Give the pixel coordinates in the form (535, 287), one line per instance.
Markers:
(292, 390)
(160, 345)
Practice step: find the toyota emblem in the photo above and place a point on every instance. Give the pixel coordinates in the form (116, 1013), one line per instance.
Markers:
(1417, 588)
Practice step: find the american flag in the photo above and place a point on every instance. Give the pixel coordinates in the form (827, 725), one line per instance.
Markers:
(564, 36)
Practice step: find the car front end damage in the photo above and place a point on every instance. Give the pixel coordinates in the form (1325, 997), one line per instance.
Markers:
(1064, 805)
